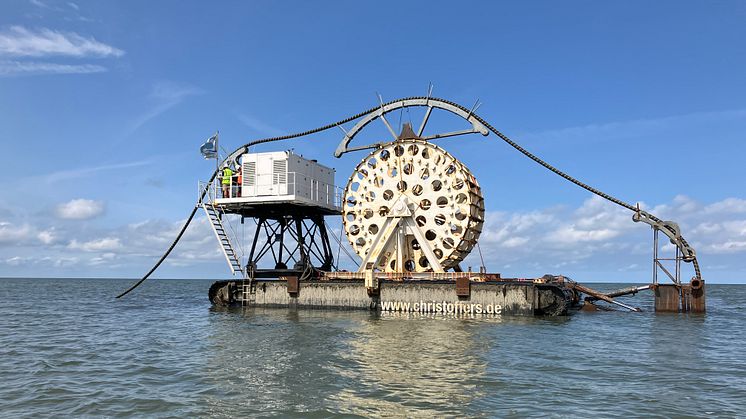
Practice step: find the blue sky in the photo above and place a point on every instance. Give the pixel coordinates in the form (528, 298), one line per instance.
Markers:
(103, 106)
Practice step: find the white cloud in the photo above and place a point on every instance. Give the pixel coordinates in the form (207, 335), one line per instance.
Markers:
(18, 41)
(46, 236)
(728, 205)
(11, 68)
(730, 246)
(599, 236)
(15, 261)
(10, 233)
(96, 245)
(570, 234)
(80, 209)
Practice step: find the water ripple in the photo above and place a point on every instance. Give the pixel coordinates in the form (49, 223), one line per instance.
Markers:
(82, 353)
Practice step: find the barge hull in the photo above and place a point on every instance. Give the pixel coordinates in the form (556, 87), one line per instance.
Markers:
(513, 298)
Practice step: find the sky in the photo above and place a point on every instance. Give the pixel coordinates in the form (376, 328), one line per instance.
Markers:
(103, 107)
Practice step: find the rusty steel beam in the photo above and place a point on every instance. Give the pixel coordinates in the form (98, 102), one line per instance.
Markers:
(599, 295)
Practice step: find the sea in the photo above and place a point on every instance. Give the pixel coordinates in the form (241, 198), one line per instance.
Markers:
(68, 348)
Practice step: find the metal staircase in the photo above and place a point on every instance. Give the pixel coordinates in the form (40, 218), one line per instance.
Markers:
(214, 215)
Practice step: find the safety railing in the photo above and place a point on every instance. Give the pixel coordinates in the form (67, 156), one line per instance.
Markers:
(290, 183)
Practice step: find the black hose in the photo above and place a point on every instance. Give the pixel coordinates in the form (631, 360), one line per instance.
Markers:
(165, 255)
(245, 148)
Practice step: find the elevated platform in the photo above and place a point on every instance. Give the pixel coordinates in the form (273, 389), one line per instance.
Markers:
(270, 206)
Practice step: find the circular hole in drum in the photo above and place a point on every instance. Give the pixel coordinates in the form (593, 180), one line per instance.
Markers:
(458, 184)
(425, 204)
(442, 201)
(354, 229)
(440, 219)
(373, 229)
(385, 155)
(423, 262)
(378, 181)
(461, 198)
(393, 264)
(430, 235)
(437, 185)
(421, 220)
(456, 229)
(413, 149)
(417, 190)
(408, 169)
(362, 173)
(425, 173)
(360, 242)
(409, 265)
(398, 150)
(460, 215)
(354, 186)
(370, 196)
(451, 169)
(372, 163)
(351, 201)
(448, 243)
(438, 253)
(415, 244)
(388, 194)
(401, 186)
(393, 172)
(350, 216)
(367, 213)
(383, 210)
(425, 153)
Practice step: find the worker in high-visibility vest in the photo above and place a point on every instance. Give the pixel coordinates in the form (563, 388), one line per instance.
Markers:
(227, 175)
(239, 182)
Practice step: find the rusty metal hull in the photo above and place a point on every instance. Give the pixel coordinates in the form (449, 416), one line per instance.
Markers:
(509, 298)
(672, 298)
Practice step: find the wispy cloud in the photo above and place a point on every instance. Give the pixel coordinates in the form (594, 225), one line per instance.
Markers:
(257, 125)
(164, 95)
(39, 3)
(647, 127)
(11, 68)
(18, 41)
(87, 171)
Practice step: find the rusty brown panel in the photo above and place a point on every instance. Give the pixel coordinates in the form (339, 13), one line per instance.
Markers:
(293, 285)
(697, 297)
(667, 298)
(463, 287)
(589, 306)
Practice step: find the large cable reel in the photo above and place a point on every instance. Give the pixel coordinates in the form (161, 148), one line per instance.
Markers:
(410, 206)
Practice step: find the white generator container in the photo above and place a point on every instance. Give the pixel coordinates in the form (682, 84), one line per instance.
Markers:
(282, 176)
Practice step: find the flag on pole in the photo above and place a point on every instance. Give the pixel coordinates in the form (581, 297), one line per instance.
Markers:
(209, 149)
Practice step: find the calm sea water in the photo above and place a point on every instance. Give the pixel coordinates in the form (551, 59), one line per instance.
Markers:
(67, 348)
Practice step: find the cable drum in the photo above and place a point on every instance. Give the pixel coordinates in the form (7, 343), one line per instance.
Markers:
(441, 194)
